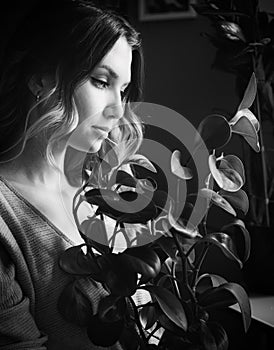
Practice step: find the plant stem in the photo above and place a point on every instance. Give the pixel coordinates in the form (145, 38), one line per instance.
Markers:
(174, 282)
(184, 265)
(199, 264)
(113, 237)
(124, 232)
(258, 71)
(137, 320)
(178, 191)
(247, 165)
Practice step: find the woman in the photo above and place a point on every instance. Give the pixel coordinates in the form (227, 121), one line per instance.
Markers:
(65, 77)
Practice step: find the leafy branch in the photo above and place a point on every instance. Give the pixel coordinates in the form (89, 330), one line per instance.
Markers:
(164, 267)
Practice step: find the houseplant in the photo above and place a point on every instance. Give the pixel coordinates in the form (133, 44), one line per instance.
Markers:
(244, 38)
(166, 268)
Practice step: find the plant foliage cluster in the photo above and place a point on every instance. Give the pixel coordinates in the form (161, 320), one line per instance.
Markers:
(244, 38)
(177, 311)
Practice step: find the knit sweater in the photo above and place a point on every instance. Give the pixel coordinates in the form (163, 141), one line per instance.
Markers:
(31, 280)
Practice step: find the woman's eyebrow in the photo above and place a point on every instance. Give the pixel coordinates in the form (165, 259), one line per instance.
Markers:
(112, 73)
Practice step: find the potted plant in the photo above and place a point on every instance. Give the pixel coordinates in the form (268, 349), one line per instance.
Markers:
(244, 39)
(167, 269)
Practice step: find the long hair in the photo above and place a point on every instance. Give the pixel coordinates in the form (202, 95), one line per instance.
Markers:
(64, 39)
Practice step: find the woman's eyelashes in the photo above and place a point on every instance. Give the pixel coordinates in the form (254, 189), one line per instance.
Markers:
(104, 84)
(99, 83)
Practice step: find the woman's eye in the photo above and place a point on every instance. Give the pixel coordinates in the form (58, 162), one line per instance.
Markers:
(100, 84)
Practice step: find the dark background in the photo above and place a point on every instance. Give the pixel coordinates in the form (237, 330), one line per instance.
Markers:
(178, 75)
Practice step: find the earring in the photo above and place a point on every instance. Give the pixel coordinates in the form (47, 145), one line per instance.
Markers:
(38, 98)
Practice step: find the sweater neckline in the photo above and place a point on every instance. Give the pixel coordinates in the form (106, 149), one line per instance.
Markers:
(36, 210)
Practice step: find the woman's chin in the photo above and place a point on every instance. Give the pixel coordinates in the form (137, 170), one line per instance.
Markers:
(87, 147)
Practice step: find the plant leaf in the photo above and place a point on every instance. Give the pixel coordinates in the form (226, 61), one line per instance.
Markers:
(148, 184)
(207, 281)
(245, 113)
(225, 175)
(232, 31)
(217, 199)
(246, 127)
(143, 260)
(188, 230)
(225, 242)
(142, 161)
(111, 308)
(120, 278)
(148, 316)
(250, 93)
(170, 305)
(177, 169)
(235, 163)
(75, 262)
(215, 131)
(94, 231)
(207, 339)
(225, 295)
(74, 305)
(238, 200)
(127, 206)
(168, 245)
(214, 171)
(123, 178)
(141, 217)
(237, 230)
(98, 196)
(219, 334)
(102, 333)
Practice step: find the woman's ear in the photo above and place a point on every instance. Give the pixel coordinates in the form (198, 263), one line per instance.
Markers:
(39, 85)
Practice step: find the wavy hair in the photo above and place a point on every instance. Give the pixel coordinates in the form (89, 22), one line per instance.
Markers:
(64, 39)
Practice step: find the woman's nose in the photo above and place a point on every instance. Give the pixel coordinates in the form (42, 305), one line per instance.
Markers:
(115, 109)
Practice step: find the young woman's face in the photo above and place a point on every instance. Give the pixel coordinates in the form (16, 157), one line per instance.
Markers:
(99, 100)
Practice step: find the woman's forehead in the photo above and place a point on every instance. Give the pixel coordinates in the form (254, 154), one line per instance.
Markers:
(118, 61)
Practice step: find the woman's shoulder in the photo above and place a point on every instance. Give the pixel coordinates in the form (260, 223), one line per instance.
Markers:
(11, 205)
(21, 222)
(7, 201)
(11, 211)
(4, 190)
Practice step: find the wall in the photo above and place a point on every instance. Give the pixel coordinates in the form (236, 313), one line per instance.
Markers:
(179, 75)
(178, 68)
(179, 72)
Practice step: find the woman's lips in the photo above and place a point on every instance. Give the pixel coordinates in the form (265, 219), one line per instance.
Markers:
(103, 131)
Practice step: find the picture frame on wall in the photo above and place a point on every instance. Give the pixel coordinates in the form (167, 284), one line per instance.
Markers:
(150, 10)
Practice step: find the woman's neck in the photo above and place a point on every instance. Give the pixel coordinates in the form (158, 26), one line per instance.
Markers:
(31, 168)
